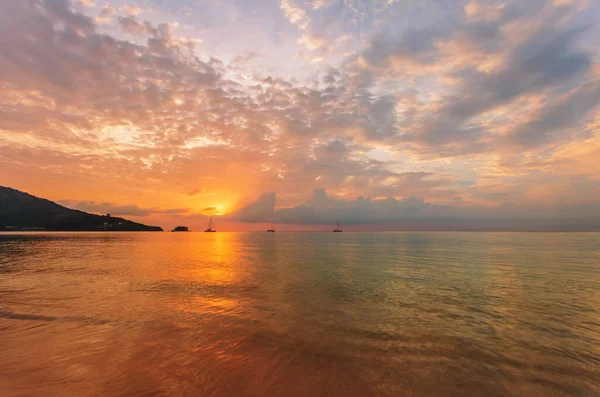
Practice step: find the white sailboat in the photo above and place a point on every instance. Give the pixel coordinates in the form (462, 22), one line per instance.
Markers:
(271, 229)
(211, 226)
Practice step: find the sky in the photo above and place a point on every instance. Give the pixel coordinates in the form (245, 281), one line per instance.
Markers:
(382, 114)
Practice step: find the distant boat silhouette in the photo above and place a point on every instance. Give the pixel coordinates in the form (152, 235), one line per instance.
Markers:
(272, 228)
(338, 230)
(211, 226)
(180, 229)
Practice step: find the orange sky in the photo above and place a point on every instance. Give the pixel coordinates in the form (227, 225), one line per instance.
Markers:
(382, 113)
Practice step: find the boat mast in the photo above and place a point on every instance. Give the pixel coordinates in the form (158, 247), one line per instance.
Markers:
(337, 229)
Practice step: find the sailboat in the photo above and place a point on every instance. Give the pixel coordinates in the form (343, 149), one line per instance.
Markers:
(337, 229)
(211, 226)
(271, 229)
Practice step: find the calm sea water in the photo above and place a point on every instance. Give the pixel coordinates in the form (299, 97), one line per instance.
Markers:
(300, 314)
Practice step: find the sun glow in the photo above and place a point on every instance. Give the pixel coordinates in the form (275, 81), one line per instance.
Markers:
(150, 126)
(214, 209)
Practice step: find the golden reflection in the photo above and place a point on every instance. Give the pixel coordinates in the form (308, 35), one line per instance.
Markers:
(204, 259)
(204, 305)
(220, 263)
(199, 272)
(318, 314)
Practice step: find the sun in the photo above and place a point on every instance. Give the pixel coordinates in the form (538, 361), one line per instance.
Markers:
(220, 209)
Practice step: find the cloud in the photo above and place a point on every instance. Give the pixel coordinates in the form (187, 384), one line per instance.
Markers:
(131, 25)
(120, 210)
(312, 42)
(319, 4)
(503, 95)
(244, 59)
(87, 3)
(543, 60)
(312, 38)
(296, 15)
(106, 14)
(413, 213)
(547, 59)
(258, 211)
(558, 117)
(417, 46)
(132, 9)
(200, 192)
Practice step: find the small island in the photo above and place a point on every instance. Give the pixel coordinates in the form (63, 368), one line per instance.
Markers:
(181, 229)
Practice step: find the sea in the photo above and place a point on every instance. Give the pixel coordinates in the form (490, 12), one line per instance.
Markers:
(300, 314)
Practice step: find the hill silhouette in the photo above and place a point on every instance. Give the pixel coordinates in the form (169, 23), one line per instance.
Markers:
(22, 211)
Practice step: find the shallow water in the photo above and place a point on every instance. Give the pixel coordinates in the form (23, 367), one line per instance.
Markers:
(299, 314)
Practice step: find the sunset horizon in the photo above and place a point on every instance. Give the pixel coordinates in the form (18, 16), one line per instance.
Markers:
(300, 112)
(299, 198)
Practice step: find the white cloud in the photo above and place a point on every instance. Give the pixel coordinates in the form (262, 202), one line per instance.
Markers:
(87, 3)
(131, 9)
(312, 42)
(319, 4)
(294, 14)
